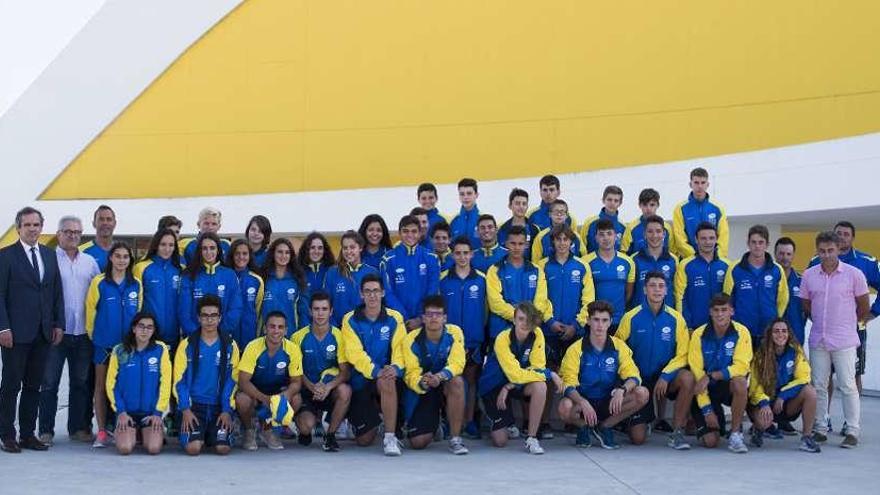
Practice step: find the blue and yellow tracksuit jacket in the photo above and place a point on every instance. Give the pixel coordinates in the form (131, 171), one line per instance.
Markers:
(867, 264)
(792, 373)
(486, 257)
(421, 355)
(372, 344)
(435, 217)
(252, 293)
(633, 239)
(110, 308)
(321, 358)
(213, 279)
(688, 215)
(595, 373)
(465, 223)
(446, 261)
(570, 289)
(511, 361)
(271, 374)
(139, 382)
(543, 248)
(532, 231)
(161, 281)
(410, 274)
(794, 312)
(260, 257)
(696, 281)
(667, 264)
(659, 342)
(188, 249)
(345, 292)
(206, 385)
(588, 230)
(540, 216)
(316, 274)
(374, 259)
(467, 305)
(610, 280)
(97, 252)
(286, 295)
(758, 295)
(731, 354)
(507, 285)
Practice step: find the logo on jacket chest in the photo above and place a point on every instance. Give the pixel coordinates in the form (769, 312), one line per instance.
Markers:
(133, 298)
(385, 333)
(423, 269)
(610, 364)
(291, 294)
(280, 367)
(221, 291)
(666, 334)
(575, 276)
(400, 276)
(621, 272)
(175, 282)
(330, 352)
(474, 292)
(251, 294)
(768, 281)
(340, 287)
(719, 276)
(533, 281)
(729, 348)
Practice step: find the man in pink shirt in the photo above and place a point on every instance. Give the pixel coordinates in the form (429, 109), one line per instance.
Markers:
(835, 297)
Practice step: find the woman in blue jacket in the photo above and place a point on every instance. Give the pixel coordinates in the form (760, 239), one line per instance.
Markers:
(251, 288)
(378, 240)
(316, 257)
(285, 286)
(139, 385)
(159, 271)
(258, 234)
(113, 298)
(343, 281)
(207, 275)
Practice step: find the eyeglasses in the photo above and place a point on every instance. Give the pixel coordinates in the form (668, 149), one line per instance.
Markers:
(209, 316)
(371, 292)
(434, 314)
(71, 232)
(141, 326)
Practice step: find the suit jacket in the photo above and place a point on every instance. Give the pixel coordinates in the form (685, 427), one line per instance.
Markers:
(27, 305)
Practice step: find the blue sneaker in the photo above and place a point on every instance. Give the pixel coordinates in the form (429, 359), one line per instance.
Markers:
(472, 430)
(583, 439)
(773, 432)
(605, 437)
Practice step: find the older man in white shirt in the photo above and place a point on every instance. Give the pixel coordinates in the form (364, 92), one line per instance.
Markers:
(77, 271)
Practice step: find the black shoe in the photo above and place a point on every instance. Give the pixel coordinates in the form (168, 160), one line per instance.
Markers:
(304, 440)
(787, 429)
(10, 445)
(663, 426)
(33, 443)
(330, 443)
(545, 432)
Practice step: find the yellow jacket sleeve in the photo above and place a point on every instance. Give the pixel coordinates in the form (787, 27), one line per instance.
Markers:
(110, 383)
(624, 328)
(397, 342)
(261, 291)
(679, 235)
(584, 231)
(456, 361)
(588, 294)
(341, 357)
(179, 368)
(354, 350)
(679, 284)
(742, 354)
(723, 234)
(295, 368)
(570, 368)
(497, 304)
(631, 278)
(682, 341)
(727, 288)
(140, 268)
(165, 379)
(413, 369)
(538, 246)
(781, 292)
(695, 362)
(627, 239)
(510, 365)
(627, 370)
(140, 293)
(756, 390)
(542, 302)
(93, 296)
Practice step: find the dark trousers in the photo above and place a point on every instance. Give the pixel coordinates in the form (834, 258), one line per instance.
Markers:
(23, 369)
(76, 350)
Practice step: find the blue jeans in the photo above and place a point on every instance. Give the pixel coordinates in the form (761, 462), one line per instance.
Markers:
(77, 351)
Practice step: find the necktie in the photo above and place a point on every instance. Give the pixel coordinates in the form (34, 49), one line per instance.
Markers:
(34, 262)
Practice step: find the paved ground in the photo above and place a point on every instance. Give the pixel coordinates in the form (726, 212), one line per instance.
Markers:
(70, 469)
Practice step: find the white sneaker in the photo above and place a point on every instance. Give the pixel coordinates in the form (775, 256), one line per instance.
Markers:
(345, 431)
(533, 446)
(456, 446)
(391, 446)
(736, 444)
(513, 431)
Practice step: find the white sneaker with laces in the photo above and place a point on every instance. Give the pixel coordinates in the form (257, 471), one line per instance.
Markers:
(736, 444)
(533, 446)
(513, 431)
(391, 446)
(456, 446)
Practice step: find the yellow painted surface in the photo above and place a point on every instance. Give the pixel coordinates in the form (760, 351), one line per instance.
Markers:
(866, 240)
(293, 95)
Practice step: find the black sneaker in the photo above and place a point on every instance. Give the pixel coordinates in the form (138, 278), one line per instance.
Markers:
(787, 429)
(757, 437)
(304, 440)
(663, 426)
(544, 432)
(330, 443)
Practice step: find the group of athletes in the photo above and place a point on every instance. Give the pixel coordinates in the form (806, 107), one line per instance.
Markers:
(446, 331)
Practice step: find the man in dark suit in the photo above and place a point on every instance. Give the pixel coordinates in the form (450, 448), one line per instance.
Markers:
(31, 319)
